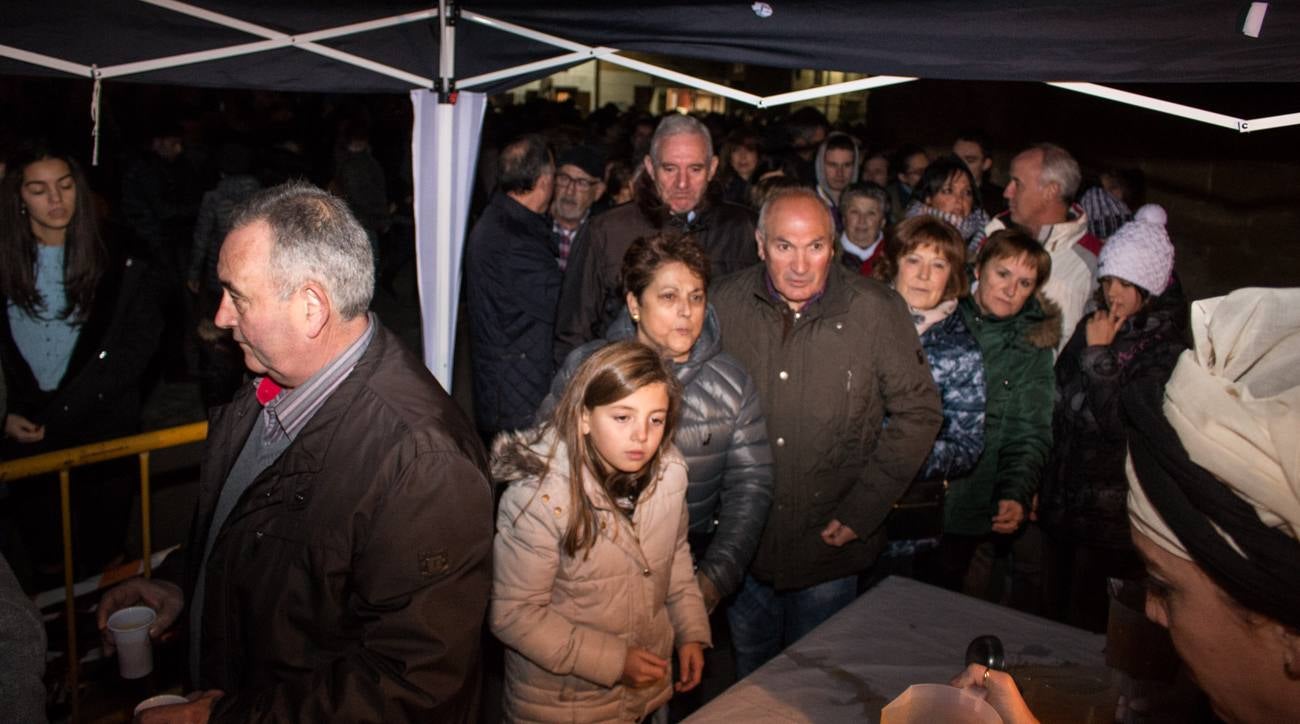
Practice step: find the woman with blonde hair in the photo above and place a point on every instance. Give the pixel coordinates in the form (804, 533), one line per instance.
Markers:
(593, 586)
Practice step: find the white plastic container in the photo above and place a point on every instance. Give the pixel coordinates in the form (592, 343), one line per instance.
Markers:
(929, 703)
(160, 700)
(130, 629)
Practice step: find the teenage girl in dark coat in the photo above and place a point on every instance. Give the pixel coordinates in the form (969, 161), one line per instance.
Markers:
(1135, 335)
(77, 330)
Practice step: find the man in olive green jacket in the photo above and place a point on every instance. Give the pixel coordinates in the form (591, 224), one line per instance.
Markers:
(834, 356)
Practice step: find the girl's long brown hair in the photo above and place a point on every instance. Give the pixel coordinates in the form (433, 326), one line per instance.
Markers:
(607, 376)
(85, 257)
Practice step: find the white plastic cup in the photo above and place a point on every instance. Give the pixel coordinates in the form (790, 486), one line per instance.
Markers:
(925, 703)
(130, 629)
(160, 700)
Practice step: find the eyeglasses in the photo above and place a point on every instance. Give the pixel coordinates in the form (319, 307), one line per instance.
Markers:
(583, 184)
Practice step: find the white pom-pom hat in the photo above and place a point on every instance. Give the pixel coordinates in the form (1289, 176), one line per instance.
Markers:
(1140, 253)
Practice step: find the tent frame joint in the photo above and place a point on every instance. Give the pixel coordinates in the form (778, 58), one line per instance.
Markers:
(453, 12)
(446, 90)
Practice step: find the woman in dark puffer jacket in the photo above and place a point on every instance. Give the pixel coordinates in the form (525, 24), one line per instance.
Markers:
(1136, 334)
(925, 262)
(722, 432)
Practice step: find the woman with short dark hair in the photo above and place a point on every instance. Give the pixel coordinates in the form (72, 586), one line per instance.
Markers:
(739, 164)
(1017, 331)
(947, 191)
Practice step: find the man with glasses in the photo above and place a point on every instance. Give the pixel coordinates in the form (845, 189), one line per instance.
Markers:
(578, 183)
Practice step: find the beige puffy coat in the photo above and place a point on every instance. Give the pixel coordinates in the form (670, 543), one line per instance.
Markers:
(568, 621)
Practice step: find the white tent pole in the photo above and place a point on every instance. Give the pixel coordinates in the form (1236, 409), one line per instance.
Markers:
(485, 78)
(46, 61)
(358, 61)
(610, 56)
(445, 294)
(523, 32)
(1263, 124)
(1153, 104)
(172, 61)
(216, 18)
(878, 81)
(367, 25)
(269, 34)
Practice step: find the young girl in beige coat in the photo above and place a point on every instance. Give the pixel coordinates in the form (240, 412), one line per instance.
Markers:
(593, 584)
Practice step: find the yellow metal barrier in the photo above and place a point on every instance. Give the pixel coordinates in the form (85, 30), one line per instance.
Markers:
(62, 462)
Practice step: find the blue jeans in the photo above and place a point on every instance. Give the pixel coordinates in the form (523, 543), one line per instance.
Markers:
(764, 621)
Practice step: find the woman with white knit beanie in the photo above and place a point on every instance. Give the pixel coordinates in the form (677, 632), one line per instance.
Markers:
(1214, 466)
(1135, 335)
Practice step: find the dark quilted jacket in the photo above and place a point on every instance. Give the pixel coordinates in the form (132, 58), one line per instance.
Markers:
(957, 366)
(1084, 488)
(512, 284)
(723, 436)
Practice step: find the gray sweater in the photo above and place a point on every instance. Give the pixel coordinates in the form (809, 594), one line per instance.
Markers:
(22, 653)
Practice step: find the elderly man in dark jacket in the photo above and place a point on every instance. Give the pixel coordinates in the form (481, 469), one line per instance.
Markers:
(834, 356)
(670, 195)
(512, 284)
(339, 562)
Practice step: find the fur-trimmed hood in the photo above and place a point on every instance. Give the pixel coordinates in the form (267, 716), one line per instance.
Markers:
(1038, 323)
(525, 454)
(1044, 331)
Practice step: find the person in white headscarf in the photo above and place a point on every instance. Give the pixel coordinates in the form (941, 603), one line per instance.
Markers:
(1214, 467)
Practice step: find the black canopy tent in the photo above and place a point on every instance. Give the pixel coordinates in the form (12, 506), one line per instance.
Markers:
(484, 45)
(1102, 41)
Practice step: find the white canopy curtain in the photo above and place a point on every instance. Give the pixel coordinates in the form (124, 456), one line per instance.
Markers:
(444, 141)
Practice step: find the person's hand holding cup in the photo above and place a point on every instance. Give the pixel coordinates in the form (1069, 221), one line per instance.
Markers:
(133, 613)
(171, 709)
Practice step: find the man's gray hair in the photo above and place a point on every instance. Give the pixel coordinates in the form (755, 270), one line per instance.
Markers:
(866, 190)
(799, 192)
(1059, 167)
(676, 124)
(314, 237)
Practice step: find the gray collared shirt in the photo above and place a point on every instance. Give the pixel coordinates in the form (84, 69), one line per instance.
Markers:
(288, 412)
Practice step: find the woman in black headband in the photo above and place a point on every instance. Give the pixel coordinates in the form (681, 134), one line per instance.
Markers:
(1214, 502)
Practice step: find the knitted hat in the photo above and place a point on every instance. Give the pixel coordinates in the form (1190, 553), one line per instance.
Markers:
(1140, 253)
(588, 158)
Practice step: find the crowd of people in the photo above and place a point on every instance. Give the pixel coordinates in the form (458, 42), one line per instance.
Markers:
(717, 393)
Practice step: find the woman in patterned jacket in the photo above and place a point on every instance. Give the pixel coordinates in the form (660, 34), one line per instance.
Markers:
(925, 262)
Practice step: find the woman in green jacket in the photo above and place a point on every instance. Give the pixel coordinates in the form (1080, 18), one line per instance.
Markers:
(1017, 331)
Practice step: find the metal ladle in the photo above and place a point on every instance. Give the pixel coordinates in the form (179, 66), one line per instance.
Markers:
(987, 651)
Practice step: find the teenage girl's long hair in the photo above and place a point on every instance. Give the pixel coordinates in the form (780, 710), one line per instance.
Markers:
(84, 255)
(607, 376)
